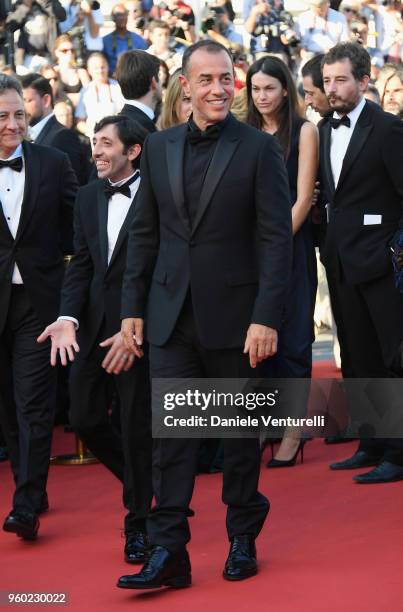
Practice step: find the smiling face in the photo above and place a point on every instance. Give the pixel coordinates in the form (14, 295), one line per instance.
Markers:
(267, 94)
(209, 83)
(108, 153)
(342, 89)
(13, 125)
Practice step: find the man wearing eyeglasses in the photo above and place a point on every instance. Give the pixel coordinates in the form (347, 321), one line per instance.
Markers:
(121, 39)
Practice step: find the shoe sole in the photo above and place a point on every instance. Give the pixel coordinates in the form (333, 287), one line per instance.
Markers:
(353, 467)
(21, 532)
(180, 582)
(238, 578)
(377, 481)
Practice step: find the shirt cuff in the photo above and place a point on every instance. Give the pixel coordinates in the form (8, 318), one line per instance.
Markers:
(72, 319)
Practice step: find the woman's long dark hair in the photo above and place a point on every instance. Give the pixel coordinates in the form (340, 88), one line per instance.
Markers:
(289, 110)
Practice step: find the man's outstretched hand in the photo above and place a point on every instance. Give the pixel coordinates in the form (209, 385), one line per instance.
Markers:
(260, 343)
(132, 332)
(63, 337)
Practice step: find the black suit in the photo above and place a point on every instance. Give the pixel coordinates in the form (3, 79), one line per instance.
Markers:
(195, 274)
(132, 112)
(54, 134)
(356, 254)
(26, 377)
(92, 294)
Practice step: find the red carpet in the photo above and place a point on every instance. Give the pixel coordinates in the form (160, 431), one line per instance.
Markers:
(329, 545)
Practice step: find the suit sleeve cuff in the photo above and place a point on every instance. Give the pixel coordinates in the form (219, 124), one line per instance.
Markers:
(72, 319)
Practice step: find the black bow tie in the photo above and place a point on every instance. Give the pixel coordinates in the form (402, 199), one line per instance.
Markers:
(14, 164)
(195, 135)
(336, 123)
(124, 189)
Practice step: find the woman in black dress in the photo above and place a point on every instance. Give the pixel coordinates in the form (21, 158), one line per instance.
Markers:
(273, 107)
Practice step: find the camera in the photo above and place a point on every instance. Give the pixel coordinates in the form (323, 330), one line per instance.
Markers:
(78, 42)
(209, 22)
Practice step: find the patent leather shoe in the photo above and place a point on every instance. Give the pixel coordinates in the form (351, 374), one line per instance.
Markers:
(136, 547)
(163, 568)
(24, 524)
(359, 460)
(241, 561)
(384, 472)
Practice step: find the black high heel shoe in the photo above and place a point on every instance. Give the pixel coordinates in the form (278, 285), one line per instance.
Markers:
(276, 463)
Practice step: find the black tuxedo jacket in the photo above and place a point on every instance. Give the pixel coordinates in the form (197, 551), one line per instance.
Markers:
(92, 288)
(371, 183)
(132, 112)
(236, 258)
(44, 233)
(54, 134)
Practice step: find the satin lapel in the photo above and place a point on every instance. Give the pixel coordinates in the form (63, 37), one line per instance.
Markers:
(327, 166)
(123, 231)
(359, 137)
(102, 204)
(223, 153)
(175, 147)
(4, 225)
(46, 129)
(32, 166)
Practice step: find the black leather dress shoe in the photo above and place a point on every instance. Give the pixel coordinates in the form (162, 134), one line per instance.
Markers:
(359, 460)
(136, 547)
(163, 568)
(24, 524)
(384, 472)
(241, 562)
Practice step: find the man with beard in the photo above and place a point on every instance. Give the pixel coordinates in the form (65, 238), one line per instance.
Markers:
(361, 172)
(393, 94)
(45, 129)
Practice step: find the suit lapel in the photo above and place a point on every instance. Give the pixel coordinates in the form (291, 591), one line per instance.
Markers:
(223, 153)
(31, 186)
(175, 146)
(359, 137)
(45, 131)
(327, 166)
(123, 230)
(102, 204)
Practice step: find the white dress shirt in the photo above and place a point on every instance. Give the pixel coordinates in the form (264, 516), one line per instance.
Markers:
(118, 207)
(36, 129)
(340, 139)
(146, 109)
(12, 185)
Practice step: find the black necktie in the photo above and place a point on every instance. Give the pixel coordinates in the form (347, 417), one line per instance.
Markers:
(124, 189)
(14, 164)
(336, 123)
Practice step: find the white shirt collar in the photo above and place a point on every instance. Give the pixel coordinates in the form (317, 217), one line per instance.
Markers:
(119, 183)
(146, 109)
(354, 114)
(17, 153)
(36, 129)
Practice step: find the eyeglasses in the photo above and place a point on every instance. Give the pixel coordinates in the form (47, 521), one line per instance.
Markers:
(350, 10)
(55, 79)
(66, 50)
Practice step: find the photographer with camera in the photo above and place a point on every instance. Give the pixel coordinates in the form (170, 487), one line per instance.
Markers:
(180, 18)
(37, 21)
(271, 29)
(83, 22)
(218, 26)
(121, 39)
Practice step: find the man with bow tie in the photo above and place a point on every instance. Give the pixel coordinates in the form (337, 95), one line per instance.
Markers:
(37, 191)
(90, 310)
(361, 172)
(209, 256)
